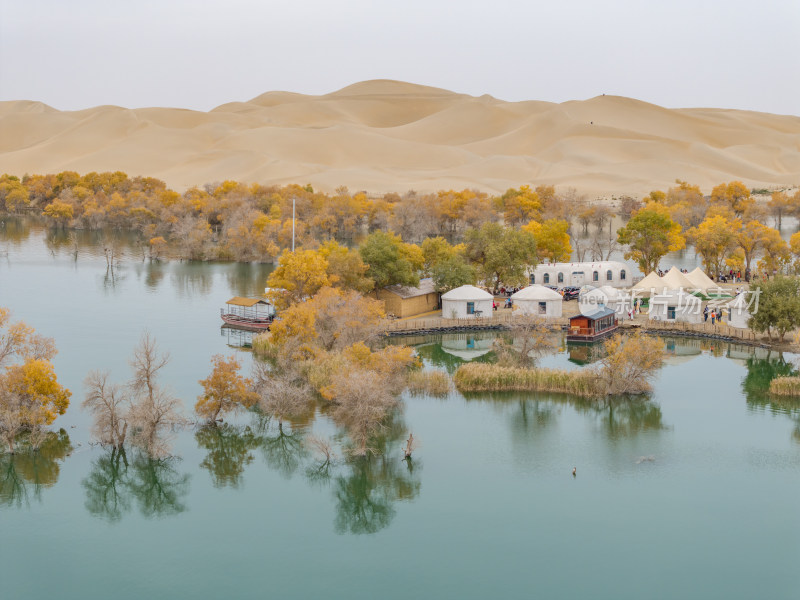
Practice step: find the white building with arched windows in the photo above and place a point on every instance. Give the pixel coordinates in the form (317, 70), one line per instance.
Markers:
(608, 272)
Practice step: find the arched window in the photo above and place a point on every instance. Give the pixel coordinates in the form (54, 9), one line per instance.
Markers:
(547, 277)
(595, 276)
(609, 275)
(533, 278)
(622, 275)
(560, 278)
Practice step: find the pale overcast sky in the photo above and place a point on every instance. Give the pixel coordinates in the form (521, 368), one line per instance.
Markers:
(198, 54)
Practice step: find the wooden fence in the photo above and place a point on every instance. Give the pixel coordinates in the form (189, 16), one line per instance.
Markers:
(506, 320)
(497, 321)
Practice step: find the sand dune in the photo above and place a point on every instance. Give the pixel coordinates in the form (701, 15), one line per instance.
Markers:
(392, 136)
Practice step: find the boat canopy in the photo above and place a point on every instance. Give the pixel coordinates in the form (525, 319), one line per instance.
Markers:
(239, 301)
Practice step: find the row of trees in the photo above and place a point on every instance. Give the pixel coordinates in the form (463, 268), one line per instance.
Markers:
(232, 220)
(728, 230)
(235, 221)
(492, 254)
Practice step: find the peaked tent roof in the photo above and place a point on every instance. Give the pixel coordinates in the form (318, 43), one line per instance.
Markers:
(675, 280)
(467, 292)
(536, 292)
(649, 282)
(702, 281)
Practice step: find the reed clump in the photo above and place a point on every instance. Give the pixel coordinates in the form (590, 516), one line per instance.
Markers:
(432, 383)
(785, 386)
(262, 346)
(482, 377)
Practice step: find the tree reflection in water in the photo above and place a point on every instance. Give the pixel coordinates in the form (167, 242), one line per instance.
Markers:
(154, 483)
(25, 474)
(157, 485)
(229, 451)
(623, 417)
(760, 371)
(106, 486)
(370, 486)
(618, 417)
(366, 494)
(15, 230)
(283, 449)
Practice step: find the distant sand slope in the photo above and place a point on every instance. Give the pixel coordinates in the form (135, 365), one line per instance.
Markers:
(393, 136)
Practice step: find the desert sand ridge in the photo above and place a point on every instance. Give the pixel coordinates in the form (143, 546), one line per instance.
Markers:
(387, 135)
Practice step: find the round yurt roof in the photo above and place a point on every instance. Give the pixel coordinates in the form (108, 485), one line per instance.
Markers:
(536, 292)
(467, 292)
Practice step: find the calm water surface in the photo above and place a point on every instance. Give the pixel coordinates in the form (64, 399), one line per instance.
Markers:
(693, 494)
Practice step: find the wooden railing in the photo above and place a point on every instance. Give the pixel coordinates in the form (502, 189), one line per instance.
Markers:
(497, 320)
(705, 328)
(501, 320)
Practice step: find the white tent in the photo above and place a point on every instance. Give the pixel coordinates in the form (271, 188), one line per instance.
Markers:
(618, 301)
(704, 283)
(652, 284)
(538, 300)
(467, 301)
(675, 280)
(676, 306)
(738, 313)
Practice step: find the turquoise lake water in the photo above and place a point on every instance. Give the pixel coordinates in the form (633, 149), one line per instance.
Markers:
(692, 494)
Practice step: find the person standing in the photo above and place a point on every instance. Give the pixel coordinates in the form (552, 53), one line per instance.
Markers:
(705, 314)
(712, 317)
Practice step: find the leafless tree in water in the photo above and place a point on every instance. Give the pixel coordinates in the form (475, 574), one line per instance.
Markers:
(109, 405)
(154, 411)
(363, 402)
(281, 393)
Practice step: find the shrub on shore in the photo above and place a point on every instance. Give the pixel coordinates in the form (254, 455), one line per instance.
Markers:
(785, 386)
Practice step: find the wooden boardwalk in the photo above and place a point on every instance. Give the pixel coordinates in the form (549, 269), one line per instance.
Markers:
(505, 319)
(500, 320)
(705, 329)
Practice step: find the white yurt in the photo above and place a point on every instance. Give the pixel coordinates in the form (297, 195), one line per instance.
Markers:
(737, 311)
(538, 300)
(467, 301)
(676, 306)
(605, 296)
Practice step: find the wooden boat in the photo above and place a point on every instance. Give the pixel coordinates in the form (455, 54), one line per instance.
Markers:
(590, 328)
(254, 314)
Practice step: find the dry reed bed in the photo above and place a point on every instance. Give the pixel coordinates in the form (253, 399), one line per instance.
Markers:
(482, 377)
(433, 383)
(785, 386)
